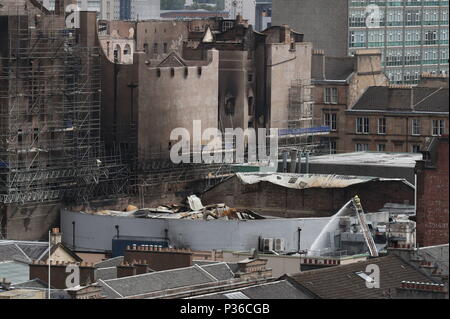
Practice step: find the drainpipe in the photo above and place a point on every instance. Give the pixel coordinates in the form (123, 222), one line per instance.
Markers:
(299, 234)
(117, 231)
(116, 73)
(299, 155)
(415, 207)
(73, 235)
(293, 161)
(298, 250)
(49, 264)
(285, 155)
(307, 162)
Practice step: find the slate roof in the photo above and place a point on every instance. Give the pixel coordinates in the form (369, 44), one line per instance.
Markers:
(163, 280)
(424, 99)
(10, 252)
(438, 255)
(112, 262)
(274, 290)
(334, 69)
(339, 68)
(342, 282)
(220, 271)
(205, 262)
(106, 273)
(27, 251)
(24, 251)
(34, 250)
(32, 284)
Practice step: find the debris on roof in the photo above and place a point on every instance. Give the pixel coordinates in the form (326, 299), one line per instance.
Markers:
(193, 209)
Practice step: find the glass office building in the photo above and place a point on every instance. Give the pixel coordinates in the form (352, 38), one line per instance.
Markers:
(412, 35)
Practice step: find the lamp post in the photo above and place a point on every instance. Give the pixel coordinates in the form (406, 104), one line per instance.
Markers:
(49, 261)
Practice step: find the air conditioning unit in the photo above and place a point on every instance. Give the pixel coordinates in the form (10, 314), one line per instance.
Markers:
(279, 244)
(267, 244)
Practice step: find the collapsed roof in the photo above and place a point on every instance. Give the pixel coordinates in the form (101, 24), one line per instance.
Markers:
(304, 181)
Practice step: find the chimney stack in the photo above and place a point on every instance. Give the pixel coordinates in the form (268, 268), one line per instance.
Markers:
(5, 284)
(55, 237)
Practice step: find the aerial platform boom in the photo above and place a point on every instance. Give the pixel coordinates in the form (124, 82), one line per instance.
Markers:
(365, 228)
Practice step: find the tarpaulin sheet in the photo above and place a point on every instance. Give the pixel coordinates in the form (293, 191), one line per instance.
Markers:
(303, 181)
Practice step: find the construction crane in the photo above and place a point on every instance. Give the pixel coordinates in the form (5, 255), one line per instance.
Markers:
(365, 228)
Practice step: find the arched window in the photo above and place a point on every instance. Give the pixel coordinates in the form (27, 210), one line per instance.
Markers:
(127, 50)
(117, 53)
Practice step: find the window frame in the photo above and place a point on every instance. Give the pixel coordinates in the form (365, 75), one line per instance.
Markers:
(331, 95)
(330, 120)
(365, 125)
(381, 149)
(382, 125)
(361, 147)
(416, 124)
(440, 127)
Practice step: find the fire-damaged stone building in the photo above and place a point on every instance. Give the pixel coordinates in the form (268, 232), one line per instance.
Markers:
(50, 149)
(152, 68)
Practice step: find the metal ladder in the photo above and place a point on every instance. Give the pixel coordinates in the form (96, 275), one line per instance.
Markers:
(363, 222)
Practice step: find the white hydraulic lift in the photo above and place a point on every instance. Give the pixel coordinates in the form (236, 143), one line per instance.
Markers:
(363, 222)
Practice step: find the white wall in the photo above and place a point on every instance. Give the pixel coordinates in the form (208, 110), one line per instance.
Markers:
(95, 232)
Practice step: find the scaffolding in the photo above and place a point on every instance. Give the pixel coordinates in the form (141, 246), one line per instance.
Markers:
(50, 87)
(303, 128)
(154, 173)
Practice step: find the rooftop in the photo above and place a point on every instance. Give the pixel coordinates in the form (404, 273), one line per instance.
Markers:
(24, 251)
(32, 284)
(416, 99)
(166, 280)
(438, 255)
(273, 290)
(111, 262)
(369, 159)
(344, 282)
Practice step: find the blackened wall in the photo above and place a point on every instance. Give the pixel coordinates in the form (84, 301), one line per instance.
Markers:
(274, 200)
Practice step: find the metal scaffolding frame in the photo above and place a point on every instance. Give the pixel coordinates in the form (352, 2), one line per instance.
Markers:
(50, 86)
(303, 128)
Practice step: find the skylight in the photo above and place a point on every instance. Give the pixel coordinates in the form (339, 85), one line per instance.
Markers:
(236, 295)
(365, 276)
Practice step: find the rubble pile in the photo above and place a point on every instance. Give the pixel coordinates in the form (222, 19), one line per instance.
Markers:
(193, 209)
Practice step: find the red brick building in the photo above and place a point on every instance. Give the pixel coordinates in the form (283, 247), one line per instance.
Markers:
(432, 194)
